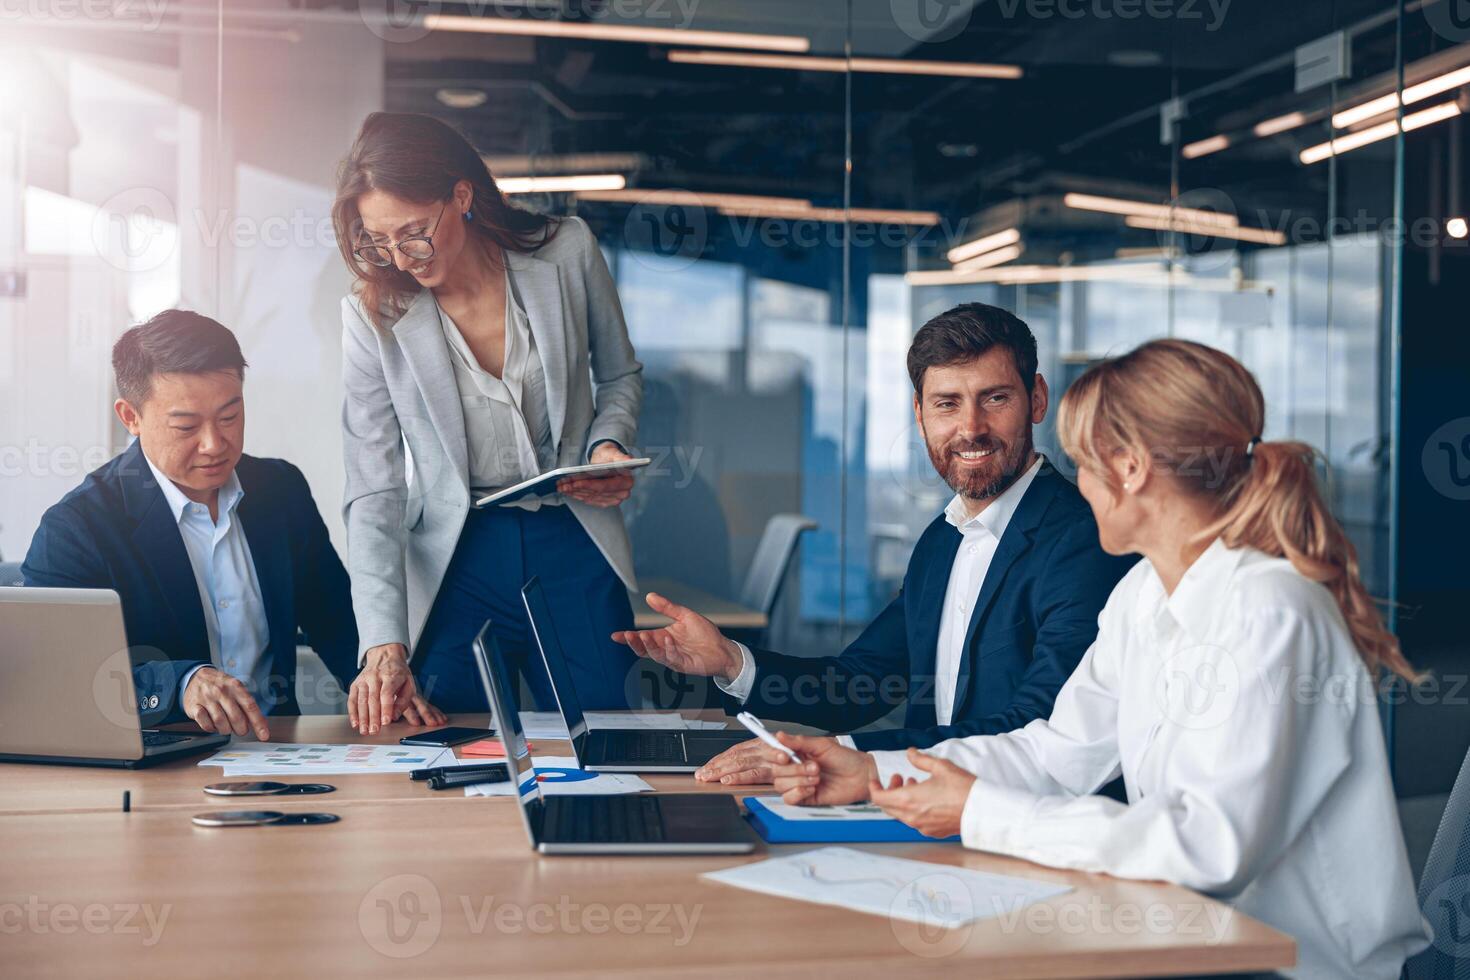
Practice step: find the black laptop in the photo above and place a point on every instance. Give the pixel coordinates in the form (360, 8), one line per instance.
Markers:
(632, 823)
(616, 749)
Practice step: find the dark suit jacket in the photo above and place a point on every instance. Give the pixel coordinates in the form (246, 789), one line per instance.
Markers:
(116, 531)
(1035, 617)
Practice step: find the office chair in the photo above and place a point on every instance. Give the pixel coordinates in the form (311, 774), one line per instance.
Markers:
(10, 573)
(772, 557)
(1444, 891)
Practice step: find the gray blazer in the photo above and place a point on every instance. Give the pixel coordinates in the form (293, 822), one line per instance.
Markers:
(403, 432)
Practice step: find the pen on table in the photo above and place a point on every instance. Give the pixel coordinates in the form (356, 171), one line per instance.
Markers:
(421, 775)
(760, 731)
(453, 777)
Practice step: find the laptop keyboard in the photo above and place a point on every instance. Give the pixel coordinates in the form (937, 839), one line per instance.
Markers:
(638, 747)
(151, 739)
(603, 819)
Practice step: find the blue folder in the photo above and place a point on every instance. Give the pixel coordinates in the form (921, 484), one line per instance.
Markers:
(777, 830)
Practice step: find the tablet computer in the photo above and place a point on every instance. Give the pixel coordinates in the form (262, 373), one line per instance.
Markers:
(545, 484)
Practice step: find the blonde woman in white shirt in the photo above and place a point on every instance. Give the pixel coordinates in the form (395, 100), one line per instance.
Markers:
(1231, 684)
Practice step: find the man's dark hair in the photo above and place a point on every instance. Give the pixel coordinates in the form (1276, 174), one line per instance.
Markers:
(965, 333)
(173, 342)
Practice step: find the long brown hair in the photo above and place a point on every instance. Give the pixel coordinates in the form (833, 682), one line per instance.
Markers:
(1197, 414)
(420, 159)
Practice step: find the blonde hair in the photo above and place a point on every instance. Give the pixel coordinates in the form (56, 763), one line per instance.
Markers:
(1197, 415)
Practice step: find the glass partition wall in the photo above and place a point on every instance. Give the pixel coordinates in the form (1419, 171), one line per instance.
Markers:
(783, 192)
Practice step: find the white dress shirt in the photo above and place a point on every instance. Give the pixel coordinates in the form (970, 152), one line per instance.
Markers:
(234, 612)
(1246, 726)
(980, 536)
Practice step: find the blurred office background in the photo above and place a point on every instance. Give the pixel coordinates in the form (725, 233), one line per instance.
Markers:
(784, 192)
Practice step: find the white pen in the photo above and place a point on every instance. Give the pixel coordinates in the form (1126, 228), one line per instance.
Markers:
(761, 732)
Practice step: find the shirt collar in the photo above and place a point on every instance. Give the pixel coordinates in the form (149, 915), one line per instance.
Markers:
(229, 494)
(1197, 599)
(997, 515)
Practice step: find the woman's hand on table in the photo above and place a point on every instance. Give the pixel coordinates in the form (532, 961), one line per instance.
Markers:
(385, 690)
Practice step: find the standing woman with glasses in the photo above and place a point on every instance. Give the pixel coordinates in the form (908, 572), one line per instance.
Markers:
(483, 344)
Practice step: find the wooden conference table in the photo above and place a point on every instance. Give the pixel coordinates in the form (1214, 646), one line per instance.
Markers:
(418, 883)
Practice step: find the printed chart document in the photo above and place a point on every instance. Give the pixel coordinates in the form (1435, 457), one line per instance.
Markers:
(915, 891)
(303, 759)
(559, 776)
(847, 811)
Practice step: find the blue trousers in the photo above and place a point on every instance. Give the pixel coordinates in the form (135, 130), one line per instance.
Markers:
(499, 550)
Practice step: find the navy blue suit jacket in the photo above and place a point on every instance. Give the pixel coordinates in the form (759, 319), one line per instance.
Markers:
(1035, 617)
(116, 531)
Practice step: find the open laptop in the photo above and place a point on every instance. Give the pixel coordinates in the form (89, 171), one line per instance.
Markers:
(615, 749)
(66, 684)
(632, 823)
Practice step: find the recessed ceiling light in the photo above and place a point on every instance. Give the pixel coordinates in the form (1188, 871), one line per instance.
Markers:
(461, 98)
(1457, 227)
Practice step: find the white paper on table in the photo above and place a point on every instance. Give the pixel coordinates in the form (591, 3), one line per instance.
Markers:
(848, 811)
(634, 719)
(602, 783)
(915, 891)
(697, 724)
(310, 759)
(544, 724)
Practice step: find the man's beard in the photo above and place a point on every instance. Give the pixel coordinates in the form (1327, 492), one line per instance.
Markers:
(983, 482)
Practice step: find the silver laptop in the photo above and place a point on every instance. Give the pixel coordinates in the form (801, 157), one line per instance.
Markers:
(615, 749)
(66, 684)
(632, 823)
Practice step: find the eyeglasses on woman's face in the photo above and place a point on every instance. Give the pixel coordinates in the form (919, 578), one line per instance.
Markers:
(420, 248)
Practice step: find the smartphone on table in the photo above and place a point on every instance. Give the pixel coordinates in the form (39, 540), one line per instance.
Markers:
(445, 737)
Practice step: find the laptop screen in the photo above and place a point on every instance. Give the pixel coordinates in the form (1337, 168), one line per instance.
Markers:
(543, 625)
(508, 723)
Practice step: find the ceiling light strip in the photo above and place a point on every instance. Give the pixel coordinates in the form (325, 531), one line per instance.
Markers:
(535, 27)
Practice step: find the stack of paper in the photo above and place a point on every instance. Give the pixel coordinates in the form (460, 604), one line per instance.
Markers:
(559, 776)
(915, 891)
(302, 759)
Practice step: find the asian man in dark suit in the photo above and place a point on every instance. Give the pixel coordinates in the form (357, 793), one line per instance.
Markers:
(1002, 592)
(218, 557)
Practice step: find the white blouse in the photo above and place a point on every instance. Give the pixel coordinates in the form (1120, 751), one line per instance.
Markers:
(1246, 726)
(506, 420)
